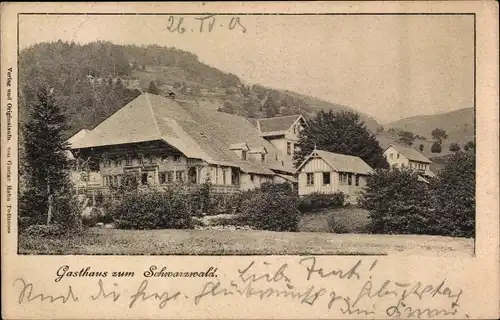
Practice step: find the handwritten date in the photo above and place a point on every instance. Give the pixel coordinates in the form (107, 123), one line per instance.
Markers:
(180, 25)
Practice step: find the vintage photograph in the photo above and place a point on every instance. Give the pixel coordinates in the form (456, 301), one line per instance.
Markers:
(254, 134)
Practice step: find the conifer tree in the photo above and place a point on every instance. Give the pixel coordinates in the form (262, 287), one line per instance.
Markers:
(45, 160)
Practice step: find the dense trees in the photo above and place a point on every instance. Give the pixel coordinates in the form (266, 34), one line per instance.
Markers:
(46, 192)
(397, 202)
(341, 132)
(401, 204)
(453, 196)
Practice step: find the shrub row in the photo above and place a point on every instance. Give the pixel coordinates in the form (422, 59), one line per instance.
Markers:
(316, 201)
(152, 210)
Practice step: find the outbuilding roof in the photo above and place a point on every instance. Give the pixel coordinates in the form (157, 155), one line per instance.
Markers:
(410, 153)
(340, 162)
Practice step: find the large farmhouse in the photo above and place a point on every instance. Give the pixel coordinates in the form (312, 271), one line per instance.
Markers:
(327, 172)
(164, 141)
(406, 157)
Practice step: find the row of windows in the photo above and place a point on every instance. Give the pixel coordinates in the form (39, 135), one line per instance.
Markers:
(419, 166)
(391, 155)
(142, 160)
(344, 178)
(147, 178)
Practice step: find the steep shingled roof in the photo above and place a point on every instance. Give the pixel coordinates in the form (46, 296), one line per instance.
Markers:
(410, 153)
(276, 124)
(196, 131)
(341, 162)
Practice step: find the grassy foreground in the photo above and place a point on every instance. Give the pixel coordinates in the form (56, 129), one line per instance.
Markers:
(252, 242)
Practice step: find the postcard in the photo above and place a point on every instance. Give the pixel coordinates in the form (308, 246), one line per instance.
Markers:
(250, 160)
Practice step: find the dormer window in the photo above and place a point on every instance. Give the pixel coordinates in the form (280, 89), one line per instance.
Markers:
(263, 158)
(240, 149)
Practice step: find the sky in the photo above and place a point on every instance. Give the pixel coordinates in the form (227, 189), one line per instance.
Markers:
(389, 67)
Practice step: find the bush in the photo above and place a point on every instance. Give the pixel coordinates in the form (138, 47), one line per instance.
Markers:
(67, 212)
(453, 197)
(270, 211)
(44, 231)
(336, 227)
(398, 203)
(152, 210)
(436, 147)
(316, 201)
(97, 215)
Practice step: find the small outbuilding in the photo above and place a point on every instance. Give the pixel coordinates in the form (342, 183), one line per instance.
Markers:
(328, 172)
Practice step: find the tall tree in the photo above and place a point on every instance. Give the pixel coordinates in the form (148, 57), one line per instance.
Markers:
(406, 137)
(45, 163)
(341, 132)
(439, 135)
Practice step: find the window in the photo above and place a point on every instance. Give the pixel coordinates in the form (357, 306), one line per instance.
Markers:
(288, 148)
(251, 177)
(128, 161)
(310, 179)
(84, 176)
(141, 159)
(144, 178)
(223, 176)
(398, 155)
(294, 129)
(217, 175)
(349, 179)
(391, 155)
(357, 180)
(164, 158)
(107, 163)
(263, 158)
(177, 158)
(166, 177)
(276, 157)
(243, 155)
(152, 159)
(326, 178)
(235, 177)
(342, 178)
(179, 176)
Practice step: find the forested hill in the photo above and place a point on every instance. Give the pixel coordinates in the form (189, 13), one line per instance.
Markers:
(94, 80)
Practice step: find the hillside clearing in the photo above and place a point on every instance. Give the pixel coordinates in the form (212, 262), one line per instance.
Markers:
(217, 242)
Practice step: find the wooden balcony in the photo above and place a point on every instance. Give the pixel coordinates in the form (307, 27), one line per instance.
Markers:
(187, 188)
